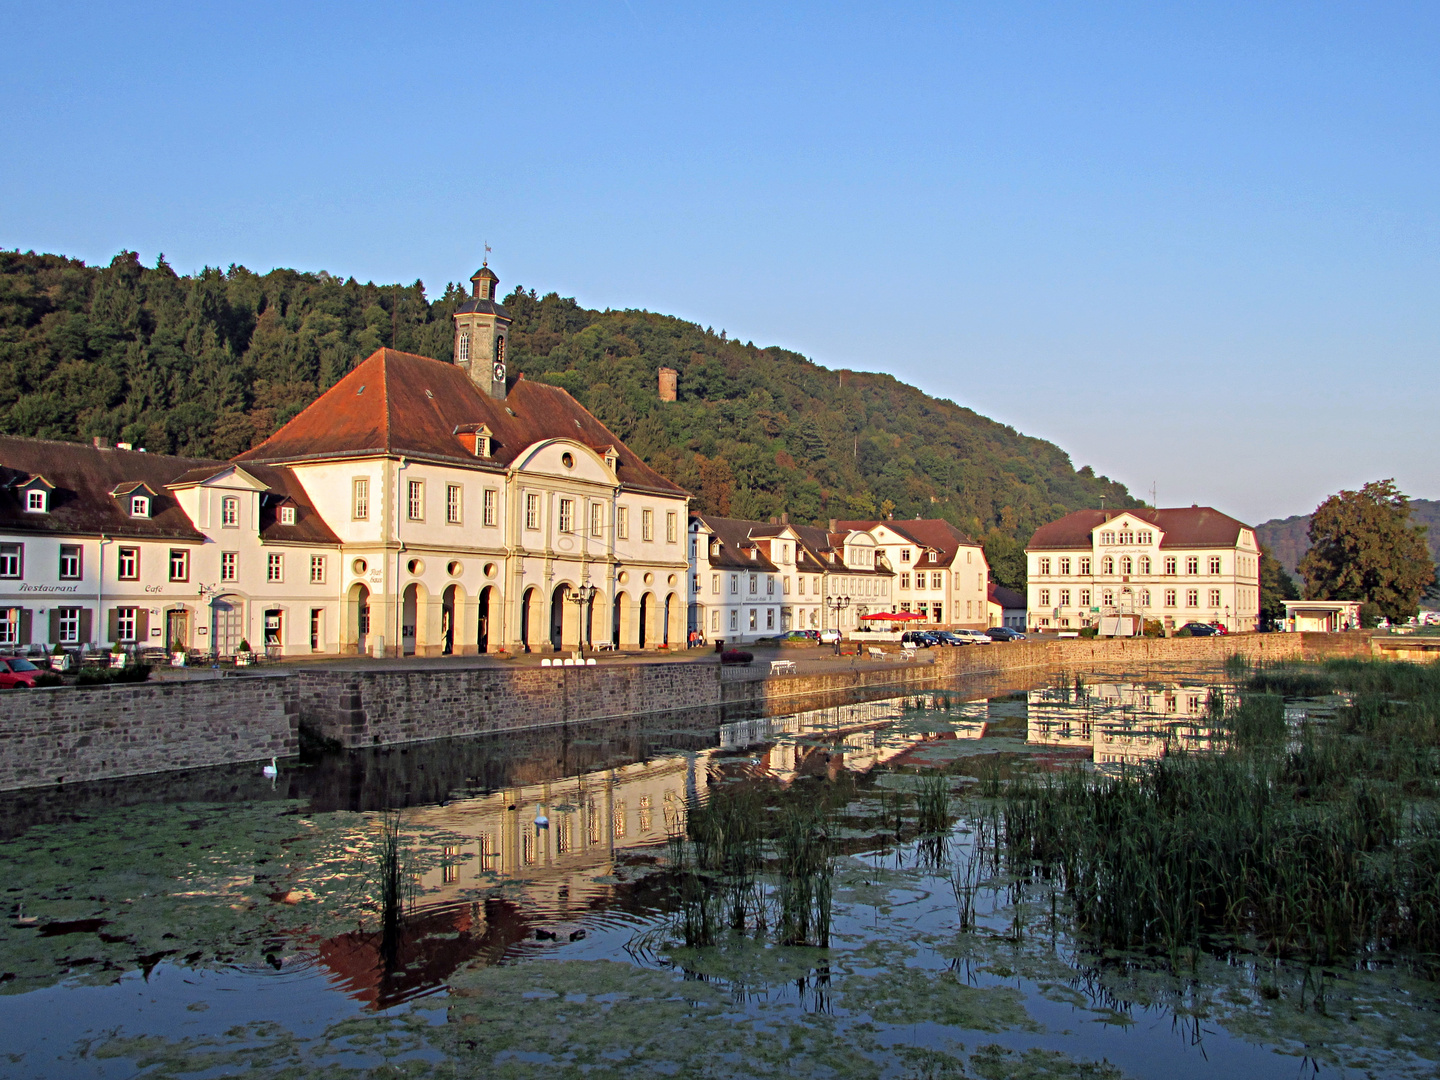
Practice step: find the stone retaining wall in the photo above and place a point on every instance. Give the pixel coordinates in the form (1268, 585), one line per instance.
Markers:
(64, 734)
(69, 734)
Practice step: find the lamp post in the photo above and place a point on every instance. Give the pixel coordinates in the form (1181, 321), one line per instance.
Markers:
(581, 597)
(837, 604)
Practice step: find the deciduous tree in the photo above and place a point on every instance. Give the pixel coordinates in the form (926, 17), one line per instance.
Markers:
(1363, 547)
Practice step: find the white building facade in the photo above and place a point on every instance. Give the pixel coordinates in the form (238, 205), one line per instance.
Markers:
(1191, 564)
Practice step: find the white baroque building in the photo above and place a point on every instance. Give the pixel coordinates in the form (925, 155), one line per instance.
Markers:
(417, 507)
(1188, 564)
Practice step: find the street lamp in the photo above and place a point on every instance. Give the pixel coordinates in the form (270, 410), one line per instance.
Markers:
(581, 597)
(837, 604)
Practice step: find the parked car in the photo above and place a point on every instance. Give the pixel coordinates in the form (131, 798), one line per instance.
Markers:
(1200, 629)
(830, 636)
(922, 639)
(949, 637)
(17, 673)
(1004, 633)
(974, 637)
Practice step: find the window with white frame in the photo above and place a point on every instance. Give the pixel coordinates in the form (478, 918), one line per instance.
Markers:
(715, 584)
(1127, 537)
(1214, 564)
(317, 569)
(937, 580)
(1170, 565)
(462, 349)
(126, 623)
(1192, 564)
(769, 618)
(754, 613)
(1084, 597)
(904, 580)
(769, 585)
(754, 584)
(567, 515)
(127, 564)
(734, 620)
(1065, 566)
(287, 515)
(360, 498)
(532, 511)
(597, 519)
(71, 562)
(1144, 564)
(1064, 597)
(1044, 597)
(275, 566)
(715, 622)
(1044, 566)
(1145, 536)
(1144, 597)
(415, 500)
(487, 507)
(1127, 566)
(920, 579)
(230, 512)
(68, 625)
(1192, 598)
(140, 506)
(9, 626)
(12, 560)
(1107, 538)
(1084, 567)
(647, 524)
(35, 501)
(229, 566)
(454, 504)
(622, 523)
(1107, 565)
(672, 527)
(1108, 598)
(179, 564)
(904, 554)
(734, 584)
(1215, 598)
(1169, 597)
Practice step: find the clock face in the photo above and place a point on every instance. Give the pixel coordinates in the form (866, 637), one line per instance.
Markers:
(499, 372)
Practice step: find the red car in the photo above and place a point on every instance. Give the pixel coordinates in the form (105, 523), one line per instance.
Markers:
(17, 673)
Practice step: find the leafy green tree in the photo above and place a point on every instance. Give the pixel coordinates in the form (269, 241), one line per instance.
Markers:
(1276, 586)
(1006, 555)
(1363, 547)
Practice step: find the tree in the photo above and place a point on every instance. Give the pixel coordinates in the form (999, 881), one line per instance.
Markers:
(1363, 547)
(1276, 586)
(1006, 556)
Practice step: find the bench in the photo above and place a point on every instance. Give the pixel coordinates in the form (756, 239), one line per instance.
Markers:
(876, 653)
(604, 646)
(778, 666)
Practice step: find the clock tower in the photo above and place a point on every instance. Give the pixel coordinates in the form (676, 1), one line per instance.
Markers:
(481, 327)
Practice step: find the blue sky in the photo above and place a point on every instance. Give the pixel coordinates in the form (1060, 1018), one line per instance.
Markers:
(1195, 245)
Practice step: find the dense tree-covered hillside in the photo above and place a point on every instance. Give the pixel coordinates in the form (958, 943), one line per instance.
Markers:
(211, 363)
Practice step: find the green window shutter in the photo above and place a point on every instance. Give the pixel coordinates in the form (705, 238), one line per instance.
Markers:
(142, 626)
(114, 626)
(54, 625)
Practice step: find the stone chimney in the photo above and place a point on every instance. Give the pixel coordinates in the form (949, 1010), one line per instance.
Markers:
(669, 379)
(834, 525)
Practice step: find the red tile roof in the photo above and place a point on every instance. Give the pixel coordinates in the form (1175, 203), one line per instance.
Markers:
(934, 533)
(85, 477)
(1181, 527)
(395, 403)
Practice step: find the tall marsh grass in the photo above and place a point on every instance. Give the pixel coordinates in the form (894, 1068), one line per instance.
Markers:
(1319, 841)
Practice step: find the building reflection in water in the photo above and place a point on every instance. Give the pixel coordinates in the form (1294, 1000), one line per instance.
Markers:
(1125, 723)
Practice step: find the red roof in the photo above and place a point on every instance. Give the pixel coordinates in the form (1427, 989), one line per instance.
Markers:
(1182, 527)
(395, 403)
(934, 533)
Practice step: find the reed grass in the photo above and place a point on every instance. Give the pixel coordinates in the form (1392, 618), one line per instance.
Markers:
(1320, 842)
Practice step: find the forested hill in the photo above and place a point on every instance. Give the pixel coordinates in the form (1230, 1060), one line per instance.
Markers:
(210, 364)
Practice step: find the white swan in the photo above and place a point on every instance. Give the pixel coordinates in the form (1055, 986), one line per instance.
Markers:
(270, 771)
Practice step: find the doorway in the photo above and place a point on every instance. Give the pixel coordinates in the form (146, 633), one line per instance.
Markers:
(177, 630)
(558, 600)
(274, 631)
(409, 612)
(447, 619)
(482, 640)
(527, 605)
(229, 625)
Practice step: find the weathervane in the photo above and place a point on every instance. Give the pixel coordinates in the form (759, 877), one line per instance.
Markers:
(486, 261)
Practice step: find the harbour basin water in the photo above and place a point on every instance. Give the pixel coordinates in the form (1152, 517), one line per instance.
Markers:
(219, 924)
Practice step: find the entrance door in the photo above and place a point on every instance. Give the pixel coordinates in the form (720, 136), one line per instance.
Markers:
(409, 616)
(483, 637)
(229, 626)
(274, 631)
(177, 630)
(558, 599)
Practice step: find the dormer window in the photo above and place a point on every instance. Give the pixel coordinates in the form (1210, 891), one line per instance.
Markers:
(140, 506)
(287, 515)
(37, 502)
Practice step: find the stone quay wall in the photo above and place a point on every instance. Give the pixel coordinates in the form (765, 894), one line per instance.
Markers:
(65, 734)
